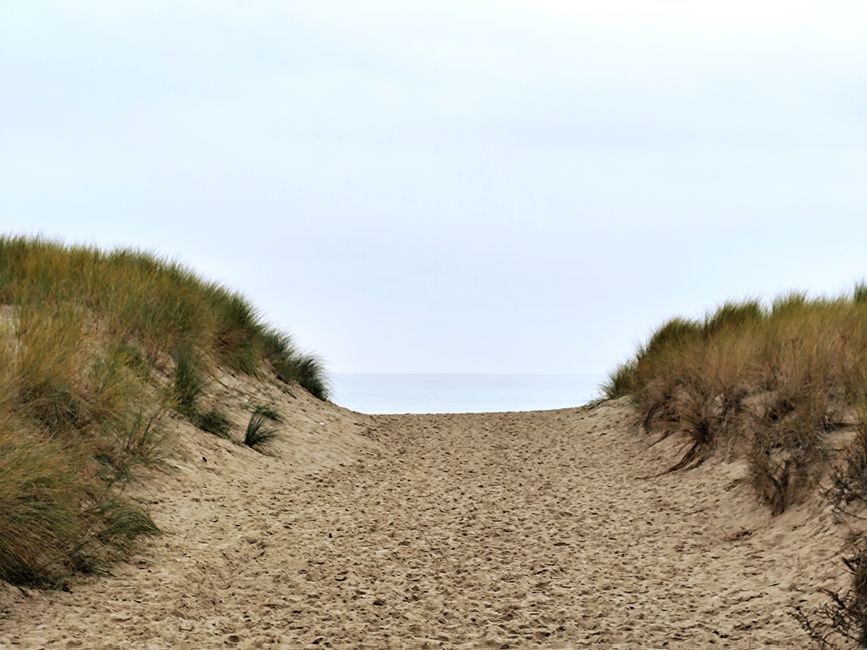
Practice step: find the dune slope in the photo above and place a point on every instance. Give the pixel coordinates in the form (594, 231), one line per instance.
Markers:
(485, 530)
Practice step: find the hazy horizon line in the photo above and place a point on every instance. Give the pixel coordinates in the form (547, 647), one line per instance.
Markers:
(477, 374)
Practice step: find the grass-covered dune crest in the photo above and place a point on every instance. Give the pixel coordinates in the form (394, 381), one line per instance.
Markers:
(95, 349)
(159, 304)
(782, 386)
(770, 381)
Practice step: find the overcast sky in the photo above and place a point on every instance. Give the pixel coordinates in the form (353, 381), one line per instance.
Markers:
(522, 186)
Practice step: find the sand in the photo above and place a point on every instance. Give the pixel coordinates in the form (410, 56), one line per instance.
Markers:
(512, 530)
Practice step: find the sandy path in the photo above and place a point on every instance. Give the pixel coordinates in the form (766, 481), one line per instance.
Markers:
(494, 530)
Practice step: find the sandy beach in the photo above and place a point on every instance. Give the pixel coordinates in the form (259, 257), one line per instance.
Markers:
(510, 530)
(433, 325)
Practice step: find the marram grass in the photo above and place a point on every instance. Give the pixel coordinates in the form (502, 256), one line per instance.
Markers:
(259, 433)
(159, 304)
(773, 385)
(768, 382)
(93, 347)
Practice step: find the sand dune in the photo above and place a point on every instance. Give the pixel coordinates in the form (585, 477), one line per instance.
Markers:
(507, 530)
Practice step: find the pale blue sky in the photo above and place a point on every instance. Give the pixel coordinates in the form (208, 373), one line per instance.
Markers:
(454, 186)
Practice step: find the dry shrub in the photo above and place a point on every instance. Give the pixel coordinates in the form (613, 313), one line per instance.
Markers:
(842, 620)
(782, 464)
(848, 491)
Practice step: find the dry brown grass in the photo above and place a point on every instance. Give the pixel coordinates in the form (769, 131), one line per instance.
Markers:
(766, 383)
(771, 385)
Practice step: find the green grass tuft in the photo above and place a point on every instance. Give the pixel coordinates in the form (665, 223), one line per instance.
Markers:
(259, 433)
(268, 412)
(189, 384)
(793, 302)
(733, 316)
(621, 382)
(677, 331)
(119, 525)
(41, 519)
(310, 374)
(291, 365)
(212, 421)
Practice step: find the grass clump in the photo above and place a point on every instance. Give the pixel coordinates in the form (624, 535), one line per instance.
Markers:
(91, 342)
(621, 382)
(258, 433)
(768, 383)
(842, 621)
(291, 365)
(189, 384)
(213, 421)
(188, 387)
(267, 411)
(40, 510)
(849, 478)
(734, 316)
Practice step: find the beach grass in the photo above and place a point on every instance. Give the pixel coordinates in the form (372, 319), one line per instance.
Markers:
(772, 385)
(268, 411)
(768, 382)
(259, 433)
(95, 346)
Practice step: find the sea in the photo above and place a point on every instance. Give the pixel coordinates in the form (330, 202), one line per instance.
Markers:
(443, 393)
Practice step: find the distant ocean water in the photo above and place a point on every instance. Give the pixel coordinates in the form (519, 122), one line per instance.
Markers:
(425, 393)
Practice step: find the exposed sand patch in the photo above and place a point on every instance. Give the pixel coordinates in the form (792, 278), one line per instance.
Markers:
(483, 530)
